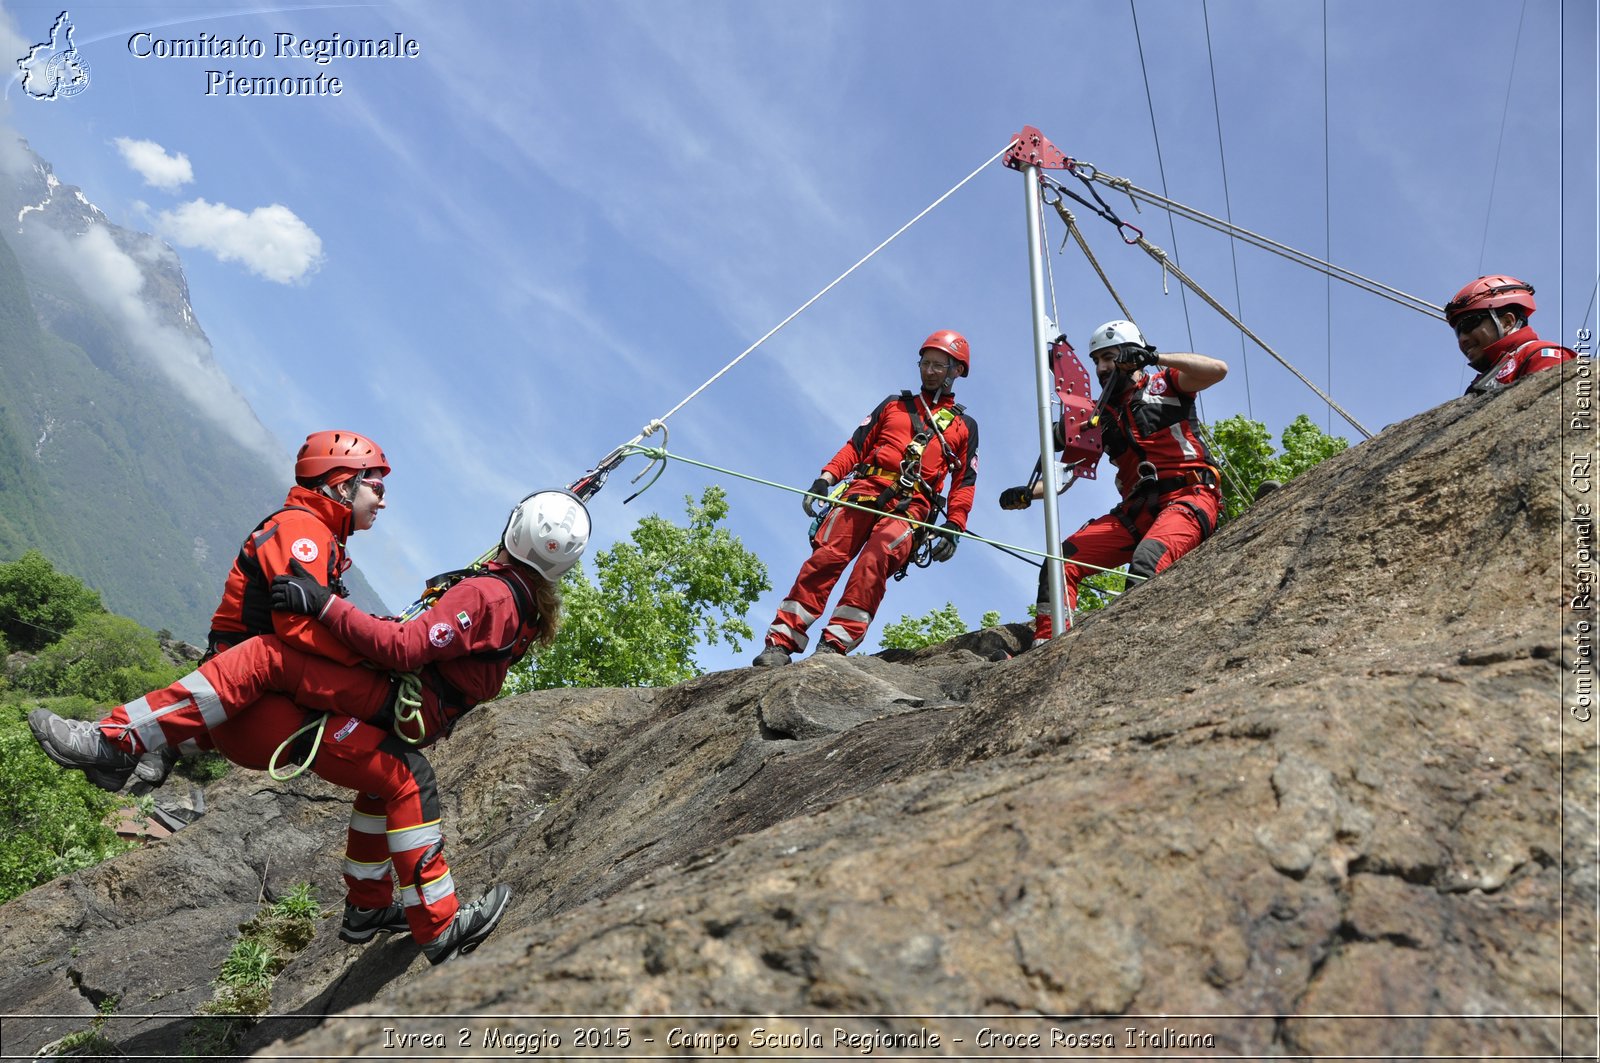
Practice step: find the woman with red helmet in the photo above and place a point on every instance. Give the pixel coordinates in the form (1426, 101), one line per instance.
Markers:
(1490, 317)
(338, 490)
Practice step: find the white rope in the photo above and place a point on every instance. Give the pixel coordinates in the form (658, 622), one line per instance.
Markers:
(803, 306)
(1350, 277)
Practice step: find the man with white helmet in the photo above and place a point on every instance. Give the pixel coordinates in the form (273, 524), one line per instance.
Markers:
(896, 462)
(1151, 431)
(263, 694)
(1490, 318)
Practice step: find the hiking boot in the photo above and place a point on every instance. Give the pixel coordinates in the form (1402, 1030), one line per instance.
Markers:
(152, 770)
(362, 924)
(80, 744)
(472, 924)
(828, 647)
(771, 657)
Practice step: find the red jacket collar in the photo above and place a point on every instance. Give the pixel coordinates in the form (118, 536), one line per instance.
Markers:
(336, 515)
(1509, 342)
(506, 568)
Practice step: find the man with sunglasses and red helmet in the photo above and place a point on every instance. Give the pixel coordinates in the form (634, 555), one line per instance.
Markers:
(1490, 317)
(899, 458)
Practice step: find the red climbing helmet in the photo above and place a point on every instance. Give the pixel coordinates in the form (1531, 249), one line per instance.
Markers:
(325, 452)
(1491, 293)
(952, 343)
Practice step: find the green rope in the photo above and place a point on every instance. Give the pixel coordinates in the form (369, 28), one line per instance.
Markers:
(661, 454)
(272, 764)
(408, 706)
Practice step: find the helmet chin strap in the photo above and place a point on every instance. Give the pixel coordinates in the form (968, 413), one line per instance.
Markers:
(944, 385)
(345, 497)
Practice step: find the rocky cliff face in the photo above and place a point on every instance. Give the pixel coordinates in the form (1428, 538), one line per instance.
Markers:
(1314, 791)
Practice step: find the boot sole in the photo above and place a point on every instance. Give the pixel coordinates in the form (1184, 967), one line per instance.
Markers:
(361, 937)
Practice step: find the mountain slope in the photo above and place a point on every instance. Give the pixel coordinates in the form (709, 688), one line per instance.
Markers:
(1312, 792)
(137, 467)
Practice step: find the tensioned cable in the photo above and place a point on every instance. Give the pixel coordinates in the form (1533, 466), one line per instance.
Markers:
(1161, 256)
(1505, 111)
(1161, 167)
(1071, 222)
(1349, 276)
(661, 454)
(1227, 205)
(1327, 206)
(805, 305)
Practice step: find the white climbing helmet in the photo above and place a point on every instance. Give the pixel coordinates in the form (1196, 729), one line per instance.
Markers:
(548, 532)
(1115, 334)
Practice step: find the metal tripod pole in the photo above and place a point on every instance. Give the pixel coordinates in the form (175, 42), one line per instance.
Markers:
(1043, 378)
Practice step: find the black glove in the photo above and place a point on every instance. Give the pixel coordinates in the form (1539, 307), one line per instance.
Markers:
(299, 593)
(812, 505)
(943, 547)
(1132, 357)
(1016, 498)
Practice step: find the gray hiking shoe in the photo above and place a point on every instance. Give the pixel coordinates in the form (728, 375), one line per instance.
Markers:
(362, 924)
(771, 657)
(152, 770)
(79, 744)
(473, 923)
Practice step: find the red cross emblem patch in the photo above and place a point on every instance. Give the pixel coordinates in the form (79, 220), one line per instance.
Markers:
(304, 550)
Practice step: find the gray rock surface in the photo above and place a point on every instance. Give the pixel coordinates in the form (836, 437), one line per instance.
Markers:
(1313, 792)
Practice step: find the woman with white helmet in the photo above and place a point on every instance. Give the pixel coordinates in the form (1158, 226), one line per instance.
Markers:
(260, 695)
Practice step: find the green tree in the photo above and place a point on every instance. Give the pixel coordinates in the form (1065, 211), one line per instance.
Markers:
(38, 604)
(1246, 454)
(105, 658)
(657, 597)
(940, 625)
(1100, 589)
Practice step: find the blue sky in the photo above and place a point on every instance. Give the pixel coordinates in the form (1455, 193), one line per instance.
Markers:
(504, 256)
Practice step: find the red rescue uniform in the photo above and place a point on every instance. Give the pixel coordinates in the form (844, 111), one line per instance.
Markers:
(1168, 484)
(310, 528)
(881, 542)
(461, 648)
(1516, 355)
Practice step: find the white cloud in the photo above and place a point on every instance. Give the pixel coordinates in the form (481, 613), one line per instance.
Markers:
(271, 242)
(151, 161)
